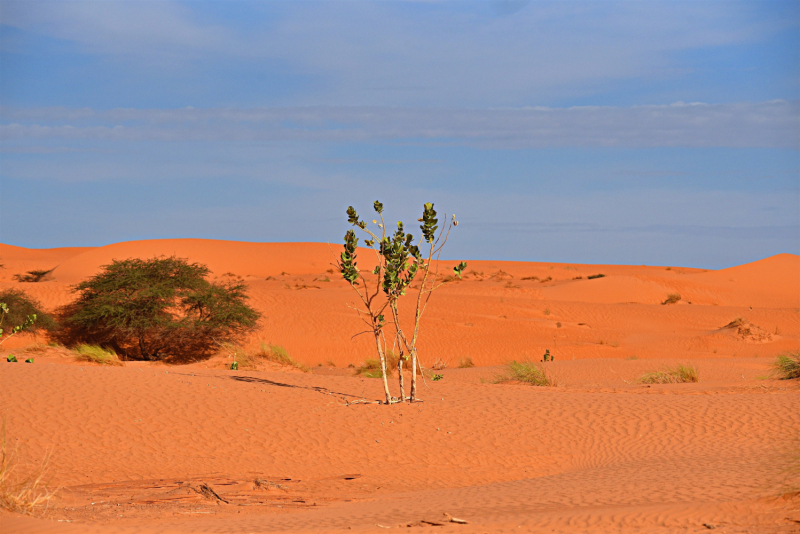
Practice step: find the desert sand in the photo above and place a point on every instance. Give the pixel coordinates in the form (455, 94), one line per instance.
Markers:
(148, 447)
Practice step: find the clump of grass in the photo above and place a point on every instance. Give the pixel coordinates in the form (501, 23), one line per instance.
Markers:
(672, 298)
(530, 278)
(787, 365)
(96, 354)
(439, 364)
(525, 372)
(465, 363)
(22, 493)
(671, 375)
(278, 354)
(371, 368)
(593, 276)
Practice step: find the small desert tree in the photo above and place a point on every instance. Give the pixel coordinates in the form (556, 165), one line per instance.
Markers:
(399, 261)
(156, 309)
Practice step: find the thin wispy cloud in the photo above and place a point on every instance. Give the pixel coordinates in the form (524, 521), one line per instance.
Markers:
(766, 124)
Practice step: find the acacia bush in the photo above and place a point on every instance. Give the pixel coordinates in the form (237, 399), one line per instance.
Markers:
(157, 309)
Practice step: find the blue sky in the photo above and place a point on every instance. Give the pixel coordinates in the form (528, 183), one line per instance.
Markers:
(595, 132)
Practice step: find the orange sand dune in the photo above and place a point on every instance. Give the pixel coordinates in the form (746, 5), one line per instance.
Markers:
(496, 313)
(138, 448)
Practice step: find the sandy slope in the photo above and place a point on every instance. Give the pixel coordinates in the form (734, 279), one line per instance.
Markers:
(599, 453)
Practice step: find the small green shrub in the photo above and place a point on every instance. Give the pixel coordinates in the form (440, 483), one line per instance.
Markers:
(787, 365)
(436, 378)
(96, 354)
(465, 363)
(11, 358)
(526, 372)
(21, 306)
(671, 375)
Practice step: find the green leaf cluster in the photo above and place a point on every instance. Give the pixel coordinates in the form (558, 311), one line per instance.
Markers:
(347, 261)
(429, 222)
(402, 260)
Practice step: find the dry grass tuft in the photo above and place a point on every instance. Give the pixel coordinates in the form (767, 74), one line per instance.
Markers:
(439, 364)
(672, 298)
(96, 354)
(465, 363)
(278, 354)
(371, 368)
(526, 372)
(24, 493)
(787, 366)
(676, 375)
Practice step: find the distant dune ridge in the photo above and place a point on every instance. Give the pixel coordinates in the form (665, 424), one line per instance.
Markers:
(143, 447)
(494, 314)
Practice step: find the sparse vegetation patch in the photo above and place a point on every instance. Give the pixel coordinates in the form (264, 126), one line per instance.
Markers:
(671, 375)
(96, 354)
(525, 372)
(278, 354)
(23, 489)
(672, 298)
(33, 276)
(787, 366)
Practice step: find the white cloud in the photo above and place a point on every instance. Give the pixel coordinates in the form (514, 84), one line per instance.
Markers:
(410, 54)
(765, 124)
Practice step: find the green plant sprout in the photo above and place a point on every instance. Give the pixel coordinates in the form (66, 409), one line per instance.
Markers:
(547, 356)
(399, 263)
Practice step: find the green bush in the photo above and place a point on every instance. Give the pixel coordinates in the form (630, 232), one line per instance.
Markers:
(162, 308)
(21, 306)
